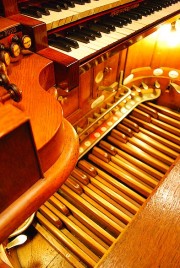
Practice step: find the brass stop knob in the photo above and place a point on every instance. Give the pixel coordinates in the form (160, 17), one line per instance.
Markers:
(15, 50)
(5, 57)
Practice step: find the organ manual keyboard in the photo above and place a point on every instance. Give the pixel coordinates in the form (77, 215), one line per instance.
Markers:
(119, 24)
(122, 97)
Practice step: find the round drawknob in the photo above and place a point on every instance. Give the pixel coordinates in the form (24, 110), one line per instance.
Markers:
(4, 80)
(14, 92)
(15, 50)
(26, 41)
(3, 68)
(5, 57)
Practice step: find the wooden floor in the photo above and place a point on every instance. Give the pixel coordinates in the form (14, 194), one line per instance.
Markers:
(37, 253)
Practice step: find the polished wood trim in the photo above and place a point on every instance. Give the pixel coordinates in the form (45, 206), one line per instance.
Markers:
(66, 68)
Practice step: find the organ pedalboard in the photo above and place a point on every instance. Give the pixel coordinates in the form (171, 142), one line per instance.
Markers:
(115, 176)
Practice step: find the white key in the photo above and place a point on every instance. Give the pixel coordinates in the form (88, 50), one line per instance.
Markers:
(92, 45)
(133, 26)
(124, 31)
(78, 54)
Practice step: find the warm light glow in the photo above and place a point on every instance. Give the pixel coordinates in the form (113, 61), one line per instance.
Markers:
(169, 34)
(178, 25)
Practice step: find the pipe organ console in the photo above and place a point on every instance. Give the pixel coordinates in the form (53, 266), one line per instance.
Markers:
(113, 66)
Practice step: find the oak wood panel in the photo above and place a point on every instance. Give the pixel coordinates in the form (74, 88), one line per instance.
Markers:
(69, 101)
(140, 54)
(86, 90)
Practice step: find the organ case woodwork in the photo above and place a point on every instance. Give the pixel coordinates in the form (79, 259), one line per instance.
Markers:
(119, 178)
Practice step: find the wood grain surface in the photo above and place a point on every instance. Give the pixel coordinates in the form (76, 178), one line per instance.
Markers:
(153, 237)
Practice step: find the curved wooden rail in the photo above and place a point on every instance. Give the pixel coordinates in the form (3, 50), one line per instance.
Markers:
(34, 197)
(56, 142)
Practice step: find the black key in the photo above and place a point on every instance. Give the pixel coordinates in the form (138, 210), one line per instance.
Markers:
(78, 36)
(115, 21)
(142, 11)
(68, 41)
(62, 4)
(156, 7)
(88, 33)
(162, 3)
(135, 12)
(125, 17)
(80, 2)
(59, 45)
(95, 33)
(99, 27)
(31, 13)
(130, 16)
(148, 8)
(108, 23)
(69, 3)
(42, 10)
(51, 6)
